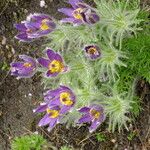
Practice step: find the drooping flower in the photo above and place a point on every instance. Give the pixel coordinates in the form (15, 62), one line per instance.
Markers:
(54, 63)
(92, 51)
(80, 13)
(52, 116)
(62, 96)
(93, 114)
(35, 26)
(24, 69)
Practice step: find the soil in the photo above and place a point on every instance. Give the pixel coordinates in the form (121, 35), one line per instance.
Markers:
(19, 97)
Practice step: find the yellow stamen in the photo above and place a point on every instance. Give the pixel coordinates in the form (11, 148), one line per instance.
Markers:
(94, 113)
(27, 65)
(56, 66)
(77, 13)
(92, 50)
(44, 25)
(53, 113)
(65, 99)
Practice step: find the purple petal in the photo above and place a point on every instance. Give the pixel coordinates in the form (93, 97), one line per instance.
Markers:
(58, 57)
(27, 59)
(41, 108)
(25, 72)
(65, 88)
(94, 126)
(52, 93)
(97, 107)
(92, 18)
(66, 11)
(102, 118)
(74, 3)
(65, 109)
(44, 62)
(55, 102)
(23, 37)
(20, 27)
(70, 20)
(84, 110)
(77, 22)
(45, 120)
(38, 17)
(52, 124)
(17, 64)
(85, 118)
(33, 25)
(50, 74)
(51, 54)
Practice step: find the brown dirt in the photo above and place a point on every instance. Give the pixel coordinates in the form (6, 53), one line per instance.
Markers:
(19, 97)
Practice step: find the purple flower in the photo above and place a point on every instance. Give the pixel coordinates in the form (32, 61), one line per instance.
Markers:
(24, 69)
(93, 114)
(54, 63)
(92, 51)
(52, 116)
(35, 26)
(62, 96)
(80, 13)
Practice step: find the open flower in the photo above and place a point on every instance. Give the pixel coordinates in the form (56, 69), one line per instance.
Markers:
(51, 117)
(92, 51)
(80, 13)
(93, 114)
(62, 96)
(24, 69)
(35, 26)
(54, 63)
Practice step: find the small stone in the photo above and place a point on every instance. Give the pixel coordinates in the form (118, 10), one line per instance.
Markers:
(25, 11)
(113, 141)
(30, 94)
(42, 3)
(36, 132)
(4, 40)
(7, 47)
(13, 50)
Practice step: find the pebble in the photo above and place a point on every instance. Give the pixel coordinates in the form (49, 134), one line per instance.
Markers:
(30, 94)
(4, 40)
(113, 141)
(42, 3)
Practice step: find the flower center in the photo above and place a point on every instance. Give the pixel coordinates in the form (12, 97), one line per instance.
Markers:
(65, 99)
(56, 66)
(44, 25)
(77, 13)
(52, 113)
(27, 65)
(94, 113)
(92, 50)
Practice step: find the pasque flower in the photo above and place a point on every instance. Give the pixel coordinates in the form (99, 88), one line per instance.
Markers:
(93, 114)
(52, 116)
(54, 63)
(62, 96)
(92, 51)
(25, 68)
(57, 103)
(80, 13)
(35, 26)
